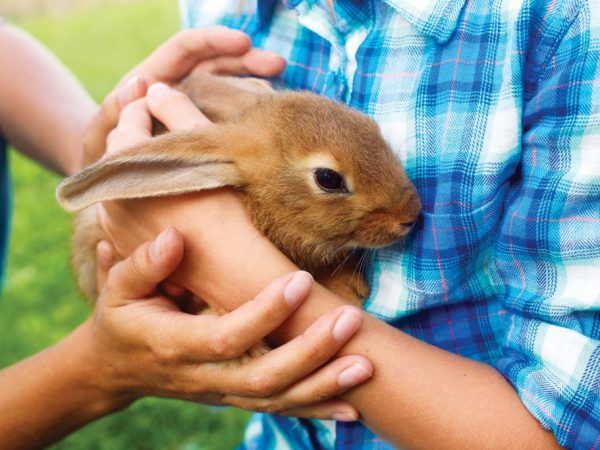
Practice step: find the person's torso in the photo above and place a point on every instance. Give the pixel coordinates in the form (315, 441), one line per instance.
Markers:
(445, 81)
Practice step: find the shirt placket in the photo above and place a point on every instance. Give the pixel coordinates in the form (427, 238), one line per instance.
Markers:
(342, 38)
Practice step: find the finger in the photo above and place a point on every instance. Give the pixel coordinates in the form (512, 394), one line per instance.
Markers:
(105, 256)
(326, 383)
(327, 410)
(134, 127)
(255, 62)
(134, 89)
(229, 336)
(152, 262)
(173, 60)
(173, 290)
(274, 371)
(95, 140)
(174, 109)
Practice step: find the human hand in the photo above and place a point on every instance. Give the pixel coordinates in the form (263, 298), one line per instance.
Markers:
(214, 49)
(144, 345)
(129, 223)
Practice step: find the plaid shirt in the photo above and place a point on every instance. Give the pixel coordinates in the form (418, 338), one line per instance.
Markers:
(493, 107)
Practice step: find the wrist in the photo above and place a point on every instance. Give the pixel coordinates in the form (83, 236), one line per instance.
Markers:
(92, 374)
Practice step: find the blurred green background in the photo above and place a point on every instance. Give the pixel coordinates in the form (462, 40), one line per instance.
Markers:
(99, 41)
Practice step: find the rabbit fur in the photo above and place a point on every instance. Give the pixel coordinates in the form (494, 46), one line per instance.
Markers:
(277, 148)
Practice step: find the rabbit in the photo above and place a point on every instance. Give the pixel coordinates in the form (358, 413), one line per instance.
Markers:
(316, 177)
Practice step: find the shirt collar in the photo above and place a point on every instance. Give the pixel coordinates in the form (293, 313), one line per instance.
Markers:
(434, 18)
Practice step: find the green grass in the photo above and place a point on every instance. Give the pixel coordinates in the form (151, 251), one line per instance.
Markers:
(40, 304)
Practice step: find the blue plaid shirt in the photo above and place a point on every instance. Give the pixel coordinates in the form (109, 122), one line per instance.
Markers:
(493, 107)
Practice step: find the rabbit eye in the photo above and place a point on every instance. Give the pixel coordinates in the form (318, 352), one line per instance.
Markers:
(330, 181)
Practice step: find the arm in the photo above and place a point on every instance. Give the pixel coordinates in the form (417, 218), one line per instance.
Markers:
(119, 354)
(547, 257)
(138, 343)
(43, 109)
(474, 404)
(46, 113)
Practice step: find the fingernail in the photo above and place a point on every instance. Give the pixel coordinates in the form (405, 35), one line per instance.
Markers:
(158, 90)
(297, 288)
(353, 375)
(128, 91)
(345, 417)
(346, 325)
(157, 247)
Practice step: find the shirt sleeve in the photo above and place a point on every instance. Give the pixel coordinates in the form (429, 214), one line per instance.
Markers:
(546, 262)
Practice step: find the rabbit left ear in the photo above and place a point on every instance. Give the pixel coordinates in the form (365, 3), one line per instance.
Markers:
(175, 163)
(222, 98)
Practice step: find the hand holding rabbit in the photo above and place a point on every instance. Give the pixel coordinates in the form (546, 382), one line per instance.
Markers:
(316, 177)
(134, 327)
(211, 50)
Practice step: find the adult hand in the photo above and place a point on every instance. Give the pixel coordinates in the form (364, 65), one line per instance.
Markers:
(213, 49)
(217, 219)
(144, 345)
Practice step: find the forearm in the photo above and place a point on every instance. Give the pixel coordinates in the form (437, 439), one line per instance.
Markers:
(43, 108)
(420, 396)
(431, 398)
(51, 394)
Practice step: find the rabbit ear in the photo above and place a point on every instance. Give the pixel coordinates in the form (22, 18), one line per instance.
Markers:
(175, 163)
(223, 99)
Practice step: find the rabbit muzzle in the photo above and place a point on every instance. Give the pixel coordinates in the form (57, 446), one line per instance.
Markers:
(385, 226)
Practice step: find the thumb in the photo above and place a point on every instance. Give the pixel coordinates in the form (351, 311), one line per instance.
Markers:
(107, 117)
(152, 262)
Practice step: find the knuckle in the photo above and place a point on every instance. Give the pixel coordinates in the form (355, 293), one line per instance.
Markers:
(323, 393)
(112, 136)
(182, 36)
(109, 108)
(180, 42)
(223, 346)
(313, 353)
(138, 263)
(165, 355)
(261, 385)
(173, 100)
(269, 407)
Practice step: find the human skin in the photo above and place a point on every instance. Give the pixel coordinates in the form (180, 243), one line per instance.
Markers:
(47, 124)
(432, 398)
(137, 342)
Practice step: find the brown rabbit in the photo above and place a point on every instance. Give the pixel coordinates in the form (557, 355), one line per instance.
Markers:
(317, 178)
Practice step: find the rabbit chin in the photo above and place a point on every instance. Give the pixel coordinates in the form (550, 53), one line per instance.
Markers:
(379, 235)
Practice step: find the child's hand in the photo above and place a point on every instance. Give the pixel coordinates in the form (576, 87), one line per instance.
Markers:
(142, 344)
(213, 49)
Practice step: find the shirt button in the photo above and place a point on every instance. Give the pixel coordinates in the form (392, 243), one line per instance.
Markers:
(342, 26)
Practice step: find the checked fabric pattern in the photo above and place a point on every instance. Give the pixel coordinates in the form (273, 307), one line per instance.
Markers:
(493, 107)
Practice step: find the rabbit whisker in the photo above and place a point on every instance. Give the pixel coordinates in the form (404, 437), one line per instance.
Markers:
(342, 263)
